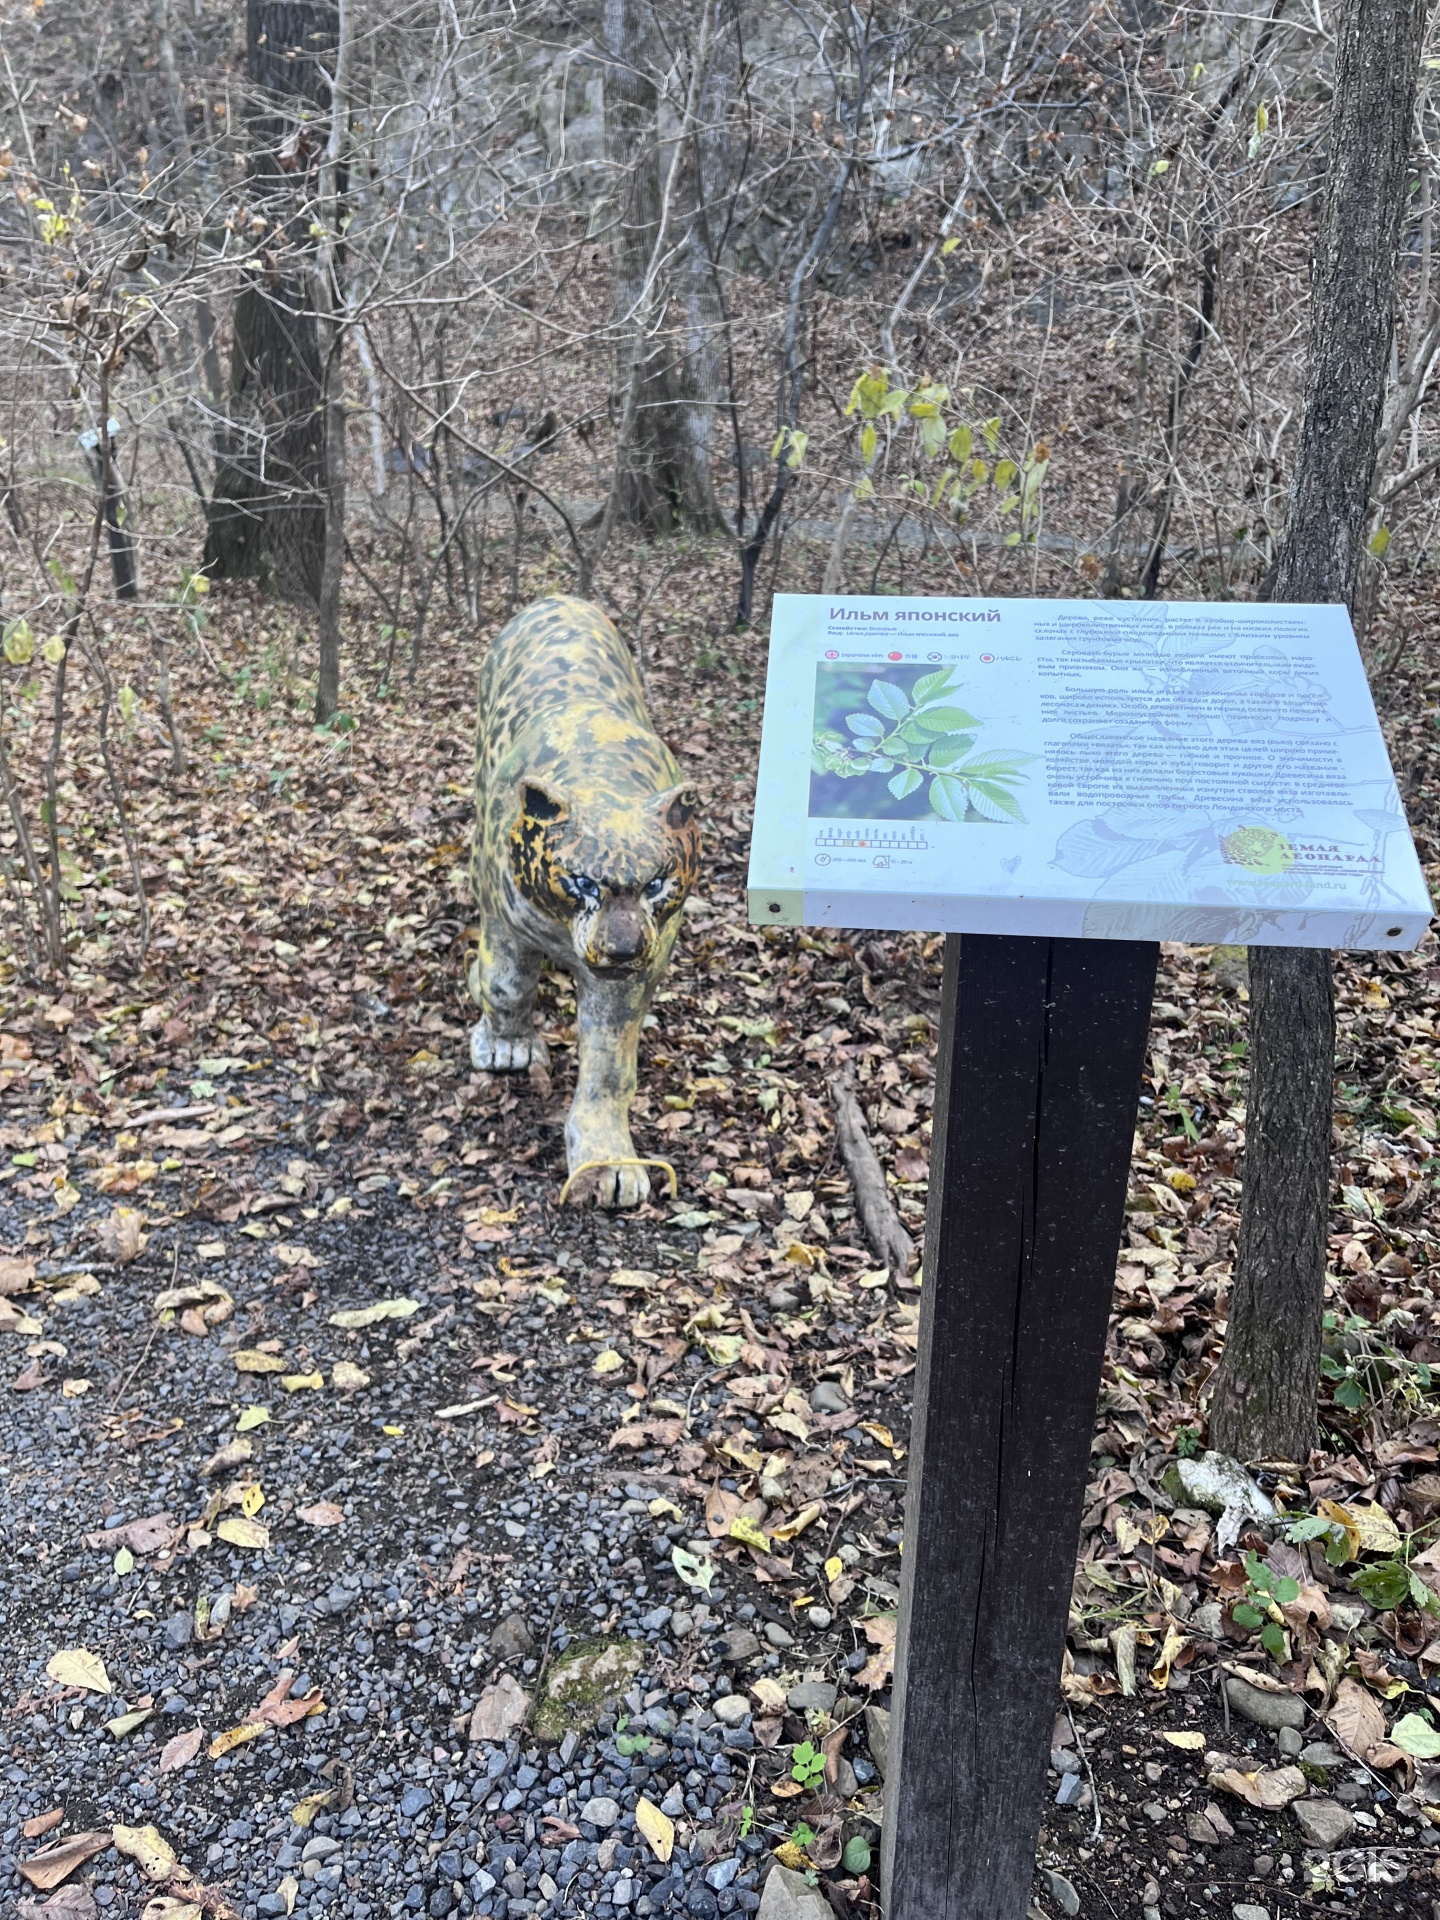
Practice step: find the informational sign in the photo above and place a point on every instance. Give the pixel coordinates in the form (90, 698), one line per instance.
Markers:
(1108, 770)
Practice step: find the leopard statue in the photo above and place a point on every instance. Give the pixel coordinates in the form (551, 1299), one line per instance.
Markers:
(586, 844)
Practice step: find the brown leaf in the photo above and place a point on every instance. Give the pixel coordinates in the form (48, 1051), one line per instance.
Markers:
(648, 1433)
(157, 1533)
(277, 1710)
(151, 1852)
(28, 1378)
(16, 1276)
(39, 1823)
(324, 1513)
(1271, 1790)
(55, 1863)
(720, 1509)
(70, 1903)
(1356, 1719)
(121, 1238)
(180, 1751)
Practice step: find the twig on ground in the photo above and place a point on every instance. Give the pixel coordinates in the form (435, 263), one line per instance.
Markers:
(877, 1211)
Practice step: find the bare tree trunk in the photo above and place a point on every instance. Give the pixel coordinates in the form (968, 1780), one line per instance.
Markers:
(665, 475)
(330, 327)
(267, 513)
(1264, 1403)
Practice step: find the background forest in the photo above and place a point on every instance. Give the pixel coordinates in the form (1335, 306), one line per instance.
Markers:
(330, 335)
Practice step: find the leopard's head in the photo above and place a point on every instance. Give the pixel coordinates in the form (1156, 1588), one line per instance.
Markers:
(617, 869)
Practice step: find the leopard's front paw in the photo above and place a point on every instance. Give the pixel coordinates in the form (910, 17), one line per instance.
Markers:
(598, 1161)
(497, 1053)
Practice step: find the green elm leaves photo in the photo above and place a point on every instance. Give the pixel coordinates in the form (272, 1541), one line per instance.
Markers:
(903, 746)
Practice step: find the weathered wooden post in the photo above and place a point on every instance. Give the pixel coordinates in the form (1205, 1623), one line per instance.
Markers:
(1042, 1043)
(1201, 773)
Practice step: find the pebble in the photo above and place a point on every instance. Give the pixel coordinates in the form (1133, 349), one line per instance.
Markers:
(1290, 1741)
(812, 1696)
(827, 1397)
(777, 1635)
(731, 1708)
(1061, 1892)
(600, 1812)
(1271, 1710)
(1246, 1910)
(1320, 1754)
(1324, 1823)
(177, 1632)
(819, 1618)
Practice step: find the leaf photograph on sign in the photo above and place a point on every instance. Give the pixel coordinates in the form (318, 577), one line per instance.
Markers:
(899, 743)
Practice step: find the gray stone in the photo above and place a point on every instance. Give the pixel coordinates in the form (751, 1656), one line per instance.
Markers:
(1271, 1710)
(1246, 1910)
(877, 1736)
(781, 1300)
(511, 1640)
(787, 1897)
(1064, 1761)
(819, 1618)
(721, 1874)
(1061, 1892)
(827, 1397)
(777, 1635)
(1291, 1742)
(740, 1644)
(601, 1812)
(1070, 1791)
(320, 1847)
(177, 1632)
(682, 1624)
(811, 1696)
(1324, 1823)
(1320, 1753)
(731, 1708)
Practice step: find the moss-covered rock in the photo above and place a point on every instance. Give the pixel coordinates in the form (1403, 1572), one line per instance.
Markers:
(585, 1683)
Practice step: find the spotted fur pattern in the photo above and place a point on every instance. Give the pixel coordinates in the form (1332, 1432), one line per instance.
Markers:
(585, 848)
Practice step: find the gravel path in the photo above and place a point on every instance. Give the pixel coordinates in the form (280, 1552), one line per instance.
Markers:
(414, 1562)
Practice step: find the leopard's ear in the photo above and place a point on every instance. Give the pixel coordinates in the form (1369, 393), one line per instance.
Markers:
(677, 807)
(541, 803)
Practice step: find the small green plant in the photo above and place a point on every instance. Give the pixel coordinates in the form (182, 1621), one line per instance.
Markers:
(628, 1744)
(1187, 1441)
(1266, 1592)
(807, 1767)
(803, 1834)
(747, 1821)
(1365, 1368)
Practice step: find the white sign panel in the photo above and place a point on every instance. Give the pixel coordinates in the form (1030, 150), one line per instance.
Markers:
(1109, 770)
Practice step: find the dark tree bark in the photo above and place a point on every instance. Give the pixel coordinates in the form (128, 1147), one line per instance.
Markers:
(267, 514)
(1265, 1389)
(664, 478)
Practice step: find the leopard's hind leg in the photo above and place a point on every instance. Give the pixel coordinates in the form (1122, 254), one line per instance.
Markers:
(502, 980)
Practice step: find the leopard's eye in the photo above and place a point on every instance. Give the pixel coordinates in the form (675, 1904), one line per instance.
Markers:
(657, 888)
(584, 887)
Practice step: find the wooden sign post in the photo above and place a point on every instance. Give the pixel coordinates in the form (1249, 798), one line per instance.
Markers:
(1042, 1043)
(1056, 786)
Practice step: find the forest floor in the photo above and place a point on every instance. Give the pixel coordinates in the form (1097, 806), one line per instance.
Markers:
(557, 1574)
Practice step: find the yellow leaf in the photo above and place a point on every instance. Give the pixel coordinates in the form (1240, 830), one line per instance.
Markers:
(657, 1828)
(251, 1418)
(788, 1423)
(1339, 1516)
(294, 1256)
(394, 1432)
(748, 1534)
(235, 1737)
(660, 1506)
(834, 1567)
(770, 1694)
(247, 1360)
(78, 1667)
(877, 1432)
(304, 1811)
(165, 1906)
(1187, 1740)
(241, 1532)
(1378, 1532)
(345, 1376)
(124, 1723)
(150, 1851)
(299, 1382)
(251, 1500)
(607, 1362)
(394, 1309)
(792, 1529)
(723, 1348)
(743, 1455)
